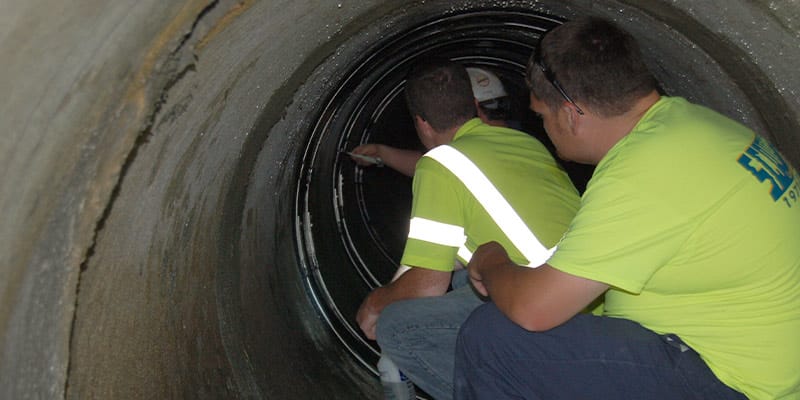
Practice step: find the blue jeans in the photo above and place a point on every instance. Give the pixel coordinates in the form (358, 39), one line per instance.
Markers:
(587, 357)
(419, 335)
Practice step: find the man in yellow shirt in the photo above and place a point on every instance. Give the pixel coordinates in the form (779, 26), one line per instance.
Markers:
(475, 183)
(690, 226)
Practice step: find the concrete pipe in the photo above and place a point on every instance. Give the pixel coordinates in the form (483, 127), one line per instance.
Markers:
(177, 220)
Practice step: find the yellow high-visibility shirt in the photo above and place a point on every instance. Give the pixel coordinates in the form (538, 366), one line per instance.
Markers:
(521, 169)
(694, 222)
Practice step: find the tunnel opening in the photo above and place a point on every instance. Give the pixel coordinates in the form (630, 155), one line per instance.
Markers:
(352, 220)
(345, 241)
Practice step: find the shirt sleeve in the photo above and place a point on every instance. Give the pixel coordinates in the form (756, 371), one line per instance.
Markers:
(437, 208)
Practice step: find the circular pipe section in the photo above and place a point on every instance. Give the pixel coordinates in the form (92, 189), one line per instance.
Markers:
(353, 221)
(180, 222)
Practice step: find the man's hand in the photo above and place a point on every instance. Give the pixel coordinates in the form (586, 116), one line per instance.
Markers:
(401, 160)
(486, 255)
(477, 282)
(370, 150)
(367, 316)
(537, 299)
(414, 283)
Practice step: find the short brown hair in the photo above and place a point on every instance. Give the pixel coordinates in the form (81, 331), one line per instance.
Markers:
(595, 62)
(439, 91)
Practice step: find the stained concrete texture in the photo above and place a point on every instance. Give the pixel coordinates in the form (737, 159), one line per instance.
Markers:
(147, 164)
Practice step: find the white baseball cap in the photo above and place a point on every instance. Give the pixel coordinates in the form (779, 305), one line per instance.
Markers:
(485, 85)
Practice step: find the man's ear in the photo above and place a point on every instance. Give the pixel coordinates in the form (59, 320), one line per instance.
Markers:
(574, 120)
(479, 112)
(427, 135)
(423, 126)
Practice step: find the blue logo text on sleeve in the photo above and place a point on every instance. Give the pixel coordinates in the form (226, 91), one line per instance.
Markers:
(765, 163)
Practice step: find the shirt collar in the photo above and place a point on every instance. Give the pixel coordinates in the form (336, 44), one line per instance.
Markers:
(468, 126)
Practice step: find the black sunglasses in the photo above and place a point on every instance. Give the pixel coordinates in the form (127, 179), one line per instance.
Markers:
(551, 77)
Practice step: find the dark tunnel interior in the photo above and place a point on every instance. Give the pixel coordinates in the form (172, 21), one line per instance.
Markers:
(355, 219)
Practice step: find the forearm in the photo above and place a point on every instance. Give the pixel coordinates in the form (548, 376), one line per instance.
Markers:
(416, 282)
(537, 299)
(413, 283)
(401, 160)
(504, 283)
(506, 286)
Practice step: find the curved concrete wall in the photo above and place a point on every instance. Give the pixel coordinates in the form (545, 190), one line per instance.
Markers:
(147, 157)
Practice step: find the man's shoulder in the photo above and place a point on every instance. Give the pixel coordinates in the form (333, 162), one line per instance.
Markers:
(500, 140)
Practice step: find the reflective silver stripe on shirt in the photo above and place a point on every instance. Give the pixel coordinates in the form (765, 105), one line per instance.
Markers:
(464, 253)
(436, 232)
(494, 203)
(440, 233)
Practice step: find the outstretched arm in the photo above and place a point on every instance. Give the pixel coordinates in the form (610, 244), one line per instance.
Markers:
(401, 160)
(416, 282)
(536, 299)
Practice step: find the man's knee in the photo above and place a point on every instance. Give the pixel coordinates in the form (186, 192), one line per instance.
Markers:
(478, 325)
(395, 319)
